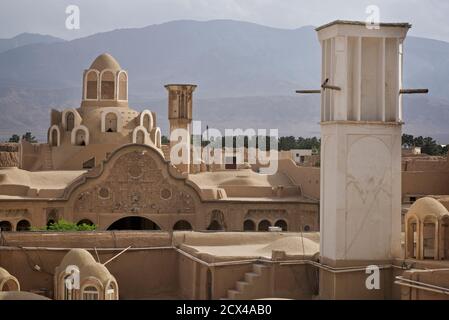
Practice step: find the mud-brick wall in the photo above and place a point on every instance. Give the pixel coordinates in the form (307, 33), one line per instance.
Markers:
(148, 270)
(9, 155)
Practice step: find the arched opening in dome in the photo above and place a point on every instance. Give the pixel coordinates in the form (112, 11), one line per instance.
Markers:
(23, 225)
(80, 138)
(134, 223)
(412, 238)
(5, 226)
(91, 293)
(157, 138)
(111, 122)
(122, 86)
(281, 224)
(147, 122)
(249, 225)
(140, 137)
(70, 121)
(111, 291)
(68, 291)
(107, 86)
(264, 225)
(182, 225)
(92, 85)
(429, 238)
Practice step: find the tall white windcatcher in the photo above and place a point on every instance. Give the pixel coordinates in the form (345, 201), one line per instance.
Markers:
(361, 123)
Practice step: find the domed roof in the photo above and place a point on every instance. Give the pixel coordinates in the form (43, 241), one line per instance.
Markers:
(96, 270)
(428, 206)
(21, 295)
(105, 61)
(76, 257)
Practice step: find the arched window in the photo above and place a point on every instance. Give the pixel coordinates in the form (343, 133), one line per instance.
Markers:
(281, 224)
(5, 226)
(249, 225)
(54, 137)
(111, 291)
(157, 138)
(134, 223)
(147, 123)
(85, 221)
(264, 225)
(183, 106)
(91, 85)
(216, 221)
(70, 121)
(91, 293)
(182, 225)
(107, 86)
(140, 137)
(215, 226)
(123, 86)
(52, 216)
(111, 122)
(80, 139)
(23, 225)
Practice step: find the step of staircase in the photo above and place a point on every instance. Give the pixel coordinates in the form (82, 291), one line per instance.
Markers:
(253, 284)
(249, 276)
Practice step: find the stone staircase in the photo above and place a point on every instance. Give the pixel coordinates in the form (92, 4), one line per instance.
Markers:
(255, 285)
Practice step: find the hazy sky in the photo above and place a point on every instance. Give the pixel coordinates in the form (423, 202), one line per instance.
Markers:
(429, 17)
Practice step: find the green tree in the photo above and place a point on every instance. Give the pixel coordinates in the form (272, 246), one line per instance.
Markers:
(407, 140)
(14, 138)
(165, 140)
(29, 137)
(287, 143)
(444, 149)
(428, 145)
(66, 226)
(418, 141)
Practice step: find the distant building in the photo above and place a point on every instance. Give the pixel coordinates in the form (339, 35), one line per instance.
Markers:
(104, 164)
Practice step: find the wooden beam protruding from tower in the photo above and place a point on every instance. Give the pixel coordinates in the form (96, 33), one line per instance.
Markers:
(324, 86)
(413, 91)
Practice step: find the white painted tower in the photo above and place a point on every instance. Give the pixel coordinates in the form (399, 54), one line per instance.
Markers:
(361, 128)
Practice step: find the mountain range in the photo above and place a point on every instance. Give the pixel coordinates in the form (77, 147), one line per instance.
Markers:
(246, 75)
(24, 39)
